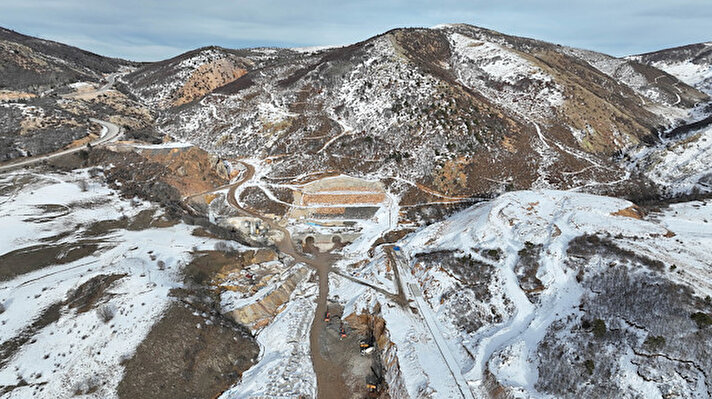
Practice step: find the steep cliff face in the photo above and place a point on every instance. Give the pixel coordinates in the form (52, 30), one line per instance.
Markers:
(206, 78)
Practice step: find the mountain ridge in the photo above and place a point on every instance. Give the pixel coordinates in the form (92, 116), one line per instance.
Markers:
(431, 212)
(514, 101)
(40, 63)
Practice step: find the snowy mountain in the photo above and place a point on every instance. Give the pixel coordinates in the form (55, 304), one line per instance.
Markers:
(429, 213)
(192, 75)
(33, 64)
(439, 106)
(680, 164)
(691, 64)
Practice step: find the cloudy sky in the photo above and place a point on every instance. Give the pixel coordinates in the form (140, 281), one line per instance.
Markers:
(148, 30)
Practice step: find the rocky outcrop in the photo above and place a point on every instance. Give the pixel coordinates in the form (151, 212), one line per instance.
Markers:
(261, 312)
(206, 78)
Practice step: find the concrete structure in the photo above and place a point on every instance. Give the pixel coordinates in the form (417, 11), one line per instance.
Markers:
(338, 197)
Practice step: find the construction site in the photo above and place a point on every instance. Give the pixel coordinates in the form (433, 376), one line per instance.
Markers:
(351, 345)
(327, 213)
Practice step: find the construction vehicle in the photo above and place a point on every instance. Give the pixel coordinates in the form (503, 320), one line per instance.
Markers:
(366, 344)
(373, 383)
(327, 317)
(342, 331)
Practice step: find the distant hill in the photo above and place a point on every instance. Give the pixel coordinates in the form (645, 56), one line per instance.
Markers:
(31, 64)
(692, 64)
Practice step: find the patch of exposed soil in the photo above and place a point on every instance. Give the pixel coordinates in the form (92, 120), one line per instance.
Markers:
(192, 170)
(345, 351)
(28, 259)
(143, 220)
(188, 356)
(206, 78)
(630, 212)
(86, 295)
(256, 199)
(202, 268)
(527, 268)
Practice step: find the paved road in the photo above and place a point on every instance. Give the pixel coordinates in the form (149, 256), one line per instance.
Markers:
(110, 80)
(109, 132)
(109, 83)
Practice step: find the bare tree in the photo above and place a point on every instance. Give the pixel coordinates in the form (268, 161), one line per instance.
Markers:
(106, 312)
(83, 185)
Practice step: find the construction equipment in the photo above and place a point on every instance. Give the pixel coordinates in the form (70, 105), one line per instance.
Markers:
(327, 317)
(366, 344)
(342, 331)
(373, 383)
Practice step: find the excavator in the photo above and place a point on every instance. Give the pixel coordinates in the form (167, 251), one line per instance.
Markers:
(373, 383)
(366, 344)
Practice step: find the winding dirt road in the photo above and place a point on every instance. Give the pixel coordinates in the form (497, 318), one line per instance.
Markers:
(330, 383)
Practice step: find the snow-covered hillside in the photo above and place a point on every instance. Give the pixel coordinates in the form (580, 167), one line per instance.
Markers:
(181, 79)
(691, 64)
(438, 107)
(97, 289)
(681, 166)
(532, 293)
(323, 241)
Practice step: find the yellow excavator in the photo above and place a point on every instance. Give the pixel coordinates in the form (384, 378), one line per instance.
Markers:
(373, 383)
